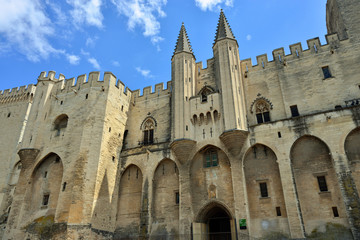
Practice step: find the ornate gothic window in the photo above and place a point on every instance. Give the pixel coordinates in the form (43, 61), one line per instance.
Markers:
(262, 109)
(204, 92)
(148, 131)
(210, 158)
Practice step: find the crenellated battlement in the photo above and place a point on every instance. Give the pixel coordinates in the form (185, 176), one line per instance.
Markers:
(149, 94)
(17, 94)
(82, 81)
(296, 52)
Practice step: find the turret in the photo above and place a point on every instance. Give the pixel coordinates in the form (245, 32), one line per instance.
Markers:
(228, 76)
(342, 17)
(183, 84)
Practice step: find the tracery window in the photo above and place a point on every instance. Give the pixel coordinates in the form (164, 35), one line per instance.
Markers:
(210, 158)
(262, 112)
(148, 132)
(204, 93)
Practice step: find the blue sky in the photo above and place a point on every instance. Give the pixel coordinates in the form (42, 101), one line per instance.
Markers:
(135, 39)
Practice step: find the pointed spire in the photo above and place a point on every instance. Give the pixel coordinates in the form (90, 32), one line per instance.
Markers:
(223, 28)
(183, 43)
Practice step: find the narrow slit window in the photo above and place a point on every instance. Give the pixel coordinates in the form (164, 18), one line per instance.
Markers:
(45, 200)
(279, 134)
(64, 186)
(263, 190)
(335, 211)
(322, 184)
(278, 211)
(326, 72)
(177, 198)
(294, 111)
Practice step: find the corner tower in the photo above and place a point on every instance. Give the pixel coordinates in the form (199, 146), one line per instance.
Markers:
(228, 76)
(342, 17)
(183, 83)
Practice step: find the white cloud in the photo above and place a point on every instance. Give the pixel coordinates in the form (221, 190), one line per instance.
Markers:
(73, 59)
(248, 37)
(61, 16)
(144, 72)
(25, 26)
(86, 11)
(115, 63)
(90, 42)
(94, 62)
(143, 13)
(85, 53)
(211, 5)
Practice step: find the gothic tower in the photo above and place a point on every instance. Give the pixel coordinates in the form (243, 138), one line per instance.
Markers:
(228, 76)
(341, 18)
(183, 83)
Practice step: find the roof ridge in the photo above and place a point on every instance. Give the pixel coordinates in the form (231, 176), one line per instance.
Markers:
(223, 29)
(183, 42)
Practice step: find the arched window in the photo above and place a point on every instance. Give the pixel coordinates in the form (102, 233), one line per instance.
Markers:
(148, 131)
(210, 158)
(60, 123)
(262, 112)
(204, 92)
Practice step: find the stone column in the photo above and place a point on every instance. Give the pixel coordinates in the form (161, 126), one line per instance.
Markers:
(349, 193)
(27, 159)
(185, 210)
(291, 199)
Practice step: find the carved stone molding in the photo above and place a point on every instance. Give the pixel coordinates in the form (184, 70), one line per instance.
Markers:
(27, 156)
(234, 140)
(182, 149)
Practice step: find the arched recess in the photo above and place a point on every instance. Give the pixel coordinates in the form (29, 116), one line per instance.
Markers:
(60, 124)
(211, 178)
(129, 204)
(166, 198)
(316, 184)
(352, 149)
(264, 192)
(15, 173)
(214, 221)
(45, 186)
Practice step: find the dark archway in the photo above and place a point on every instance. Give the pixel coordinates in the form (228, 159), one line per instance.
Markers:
(214, 222)
(218, 223)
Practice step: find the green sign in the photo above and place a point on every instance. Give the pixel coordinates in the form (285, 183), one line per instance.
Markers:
(242, 223)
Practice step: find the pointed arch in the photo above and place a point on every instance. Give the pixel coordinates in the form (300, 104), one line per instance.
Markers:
(316, 183)
(204, 92)
(202, 214)
(45, 190)
(211, 181)
(264, 190)
(129, 202)
(352, 149)
(166, 196)
(60, 124)
(148, 127)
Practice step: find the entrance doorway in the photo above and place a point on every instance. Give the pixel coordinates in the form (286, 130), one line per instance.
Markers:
(218, 224)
